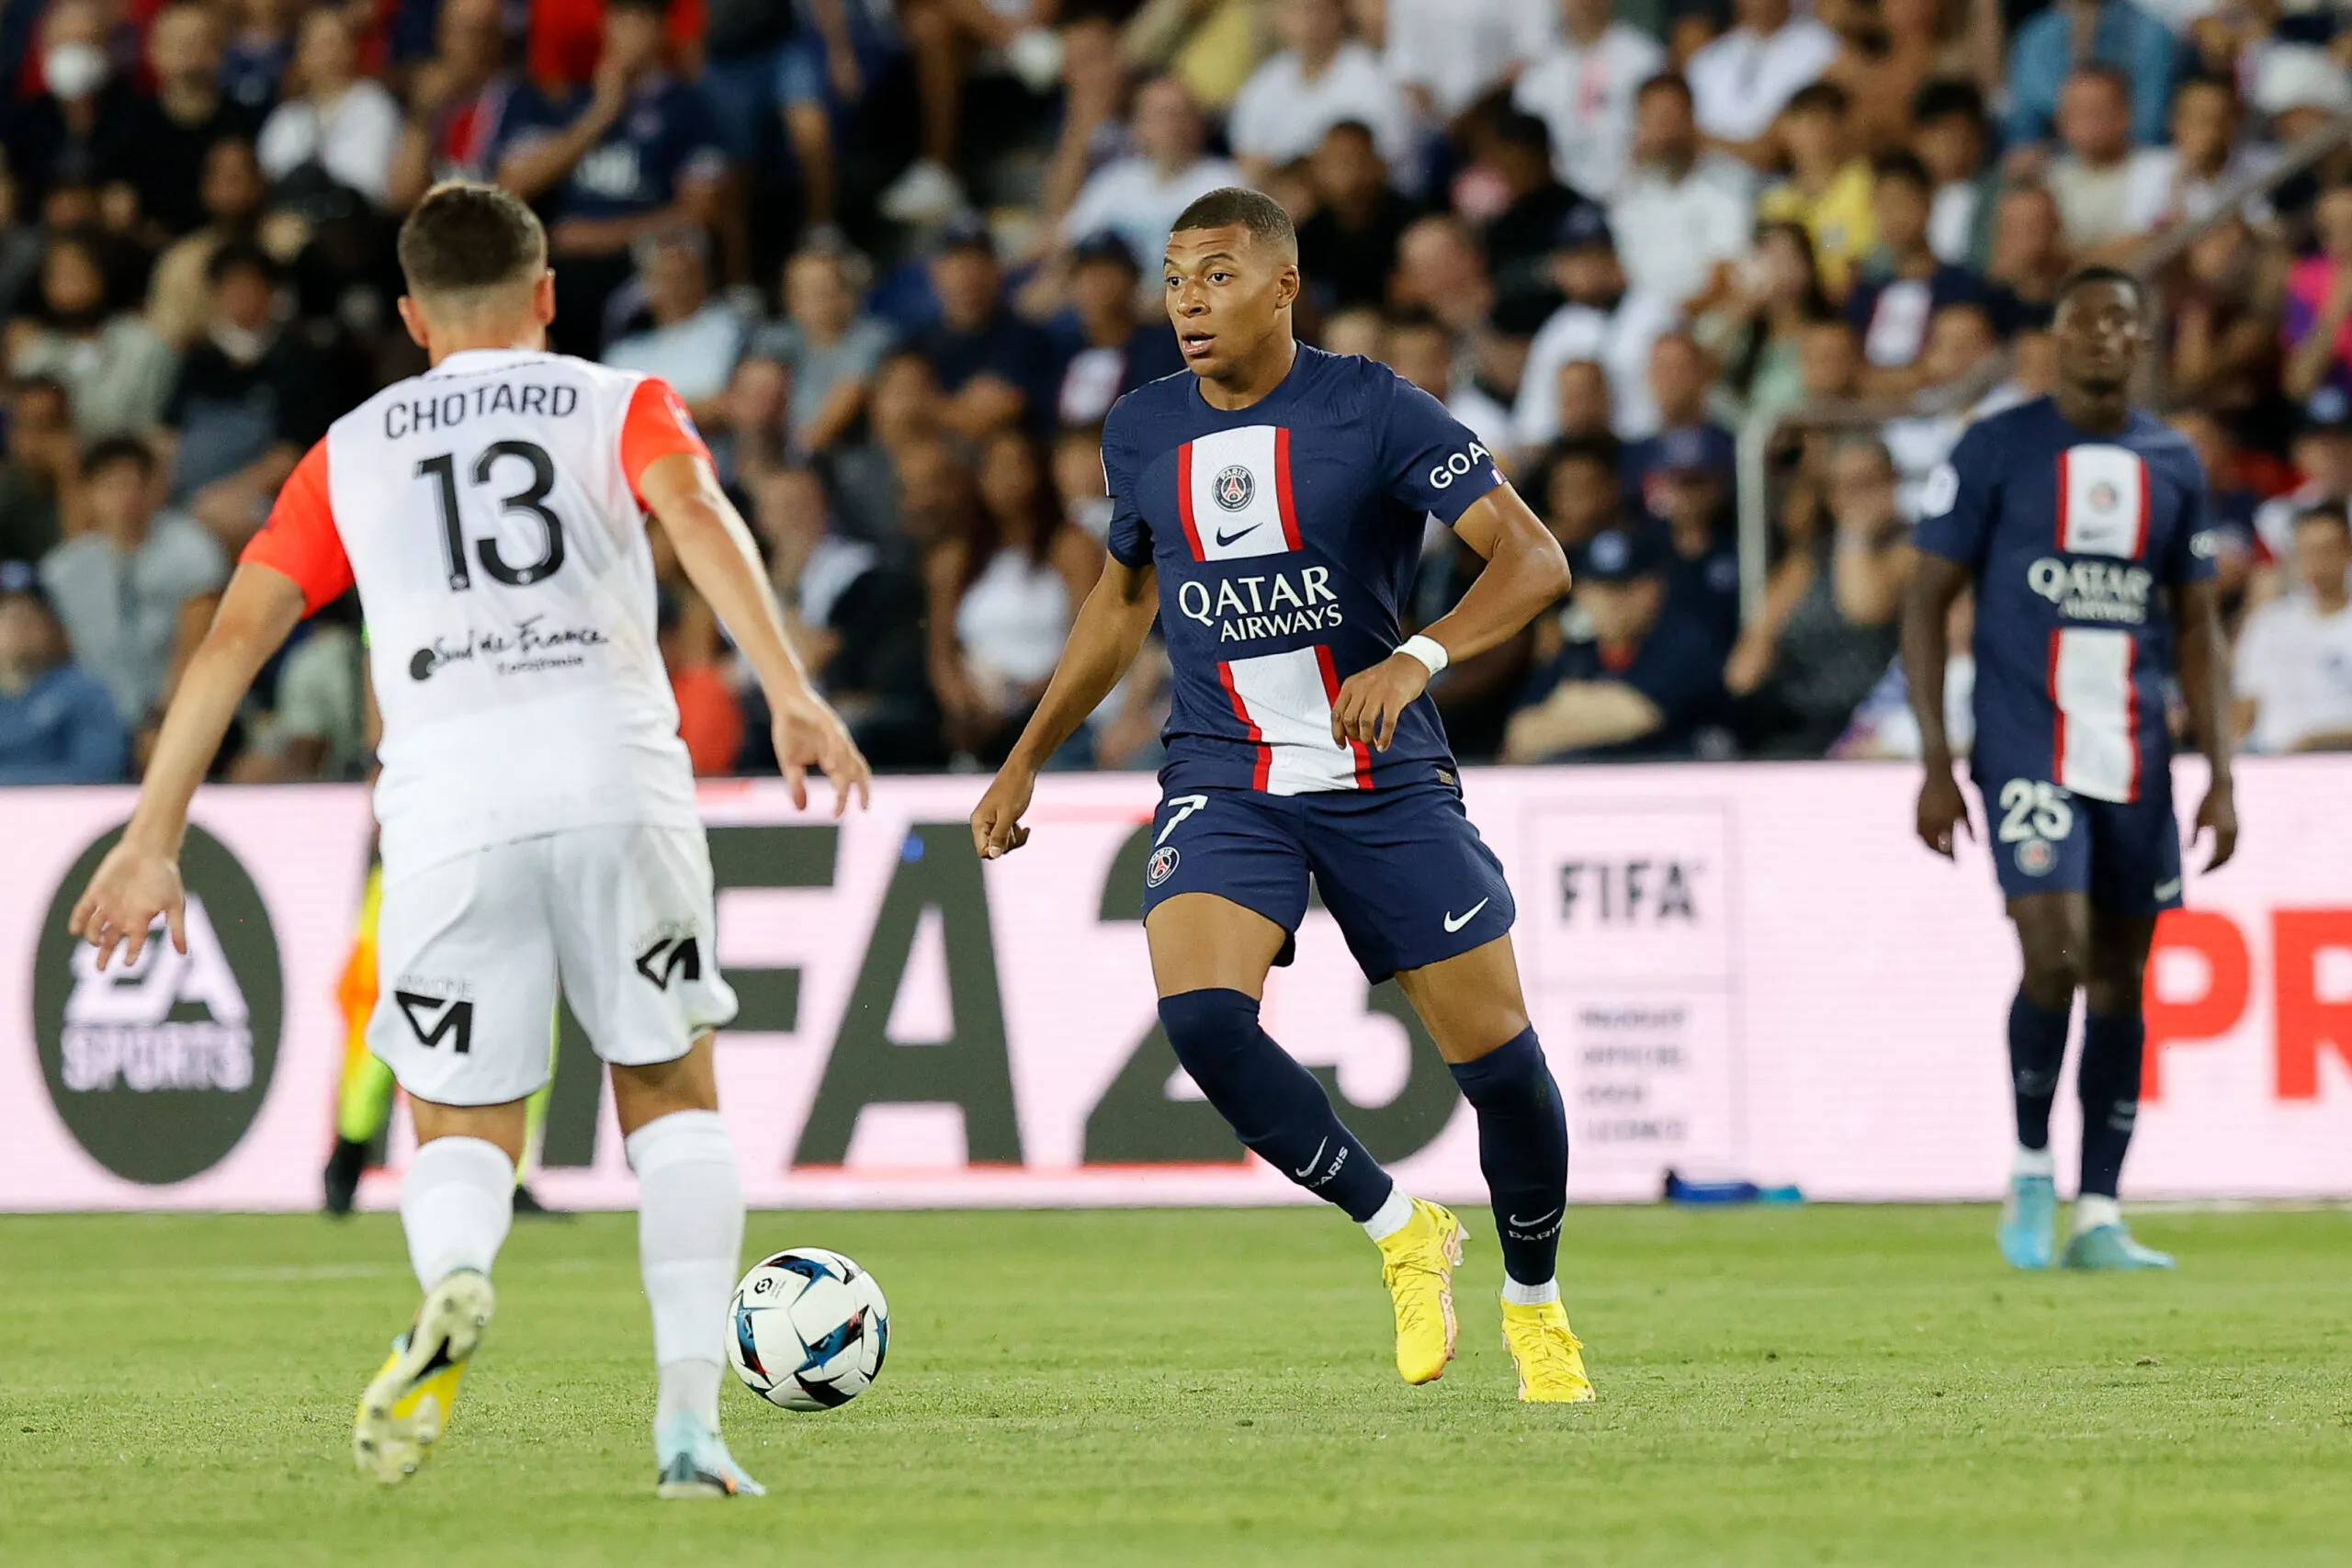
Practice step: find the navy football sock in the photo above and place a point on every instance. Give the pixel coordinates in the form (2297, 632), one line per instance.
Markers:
(2037, 1052)
(1278, 1109)
(2109, 1082)
(1522, 1149)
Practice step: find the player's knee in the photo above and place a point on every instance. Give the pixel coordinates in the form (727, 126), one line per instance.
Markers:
(1208, 1026)
(2053, 971)
(2116, 987)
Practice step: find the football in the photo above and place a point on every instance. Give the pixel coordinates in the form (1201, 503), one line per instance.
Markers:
(808, 1329)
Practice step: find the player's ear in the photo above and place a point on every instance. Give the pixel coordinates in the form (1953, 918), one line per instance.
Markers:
(412, 317)
(543, 298)
(1286, 285)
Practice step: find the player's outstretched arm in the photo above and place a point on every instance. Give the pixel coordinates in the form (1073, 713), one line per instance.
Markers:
(714, 547)
(1103, 641)
(1943, 810)
(140, 877)
(2205, 688)
(1525, 571)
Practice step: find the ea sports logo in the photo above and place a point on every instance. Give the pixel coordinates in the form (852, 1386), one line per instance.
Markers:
(159, 1067)
(1162, 866)
(2104, 496)
(1234, 487)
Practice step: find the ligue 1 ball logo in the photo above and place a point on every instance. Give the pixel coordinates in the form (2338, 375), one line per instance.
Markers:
(2037, 858)
(1162, 866)
(1235, 487)
(2105, 497)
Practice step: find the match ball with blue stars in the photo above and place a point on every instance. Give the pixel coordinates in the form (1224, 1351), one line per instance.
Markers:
(808, 1329)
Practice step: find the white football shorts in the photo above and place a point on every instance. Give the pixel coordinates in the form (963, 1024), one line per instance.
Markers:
(472, 950)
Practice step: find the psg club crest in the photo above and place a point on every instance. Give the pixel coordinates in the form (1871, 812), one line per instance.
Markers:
(1234, 487)
(2105, 497)
(2036, 857)
(1162, 865)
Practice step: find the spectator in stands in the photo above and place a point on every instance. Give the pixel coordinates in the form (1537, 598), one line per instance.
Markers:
(179, 299)
(2183, 183)
(1690, 491)
(1902, 284)
(1680, 212)
(1440, 269)
(1002, 595)
(710, 717)
(1756, 330)
(1829, 360)
(634, 154)
(36, 471)
(251, 398)
(1643, 681)
(1447, 54)
(2317, 326)
(115, 371)
(1348, 246)
(1601, 321)
(1961, 347)
(695, 339)
(2294, 672)
(1743, 80)
(83, 127)
(2323, 459)
(58, 726)
(2029, 259)
(1517, 148)
(1681, 375)
(871, 480)
(1884, 727)
(345, 123)
(1321, 78)
(1421, 351)
(1586, 410)
(260, 50)
(991, 364)
(461, 103)
(188, 117)
(1102, 347)
(1894, 48)
(119, 585)
(2231, 504)
(752, 435)
(830, 347)
(2096, 178)
(2300, 89)
(1828, 625)
(943, 36)
(1828, 187)
(1584, 491)
(1140, 197)
(1952, 137)
(1584, 88)
(316, 725)
(2226, 307)
(2054, 43)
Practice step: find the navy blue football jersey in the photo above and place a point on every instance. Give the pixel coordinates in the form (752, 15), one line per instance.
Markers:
(2069, 537)
(1287, 535)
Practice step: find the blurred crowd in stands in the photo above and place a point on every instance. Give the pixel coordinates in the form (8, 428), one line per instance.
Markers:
(900, 256)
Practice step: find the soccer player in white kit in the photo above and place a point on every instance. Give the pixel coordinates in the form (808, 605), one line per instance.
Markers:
(537, 805)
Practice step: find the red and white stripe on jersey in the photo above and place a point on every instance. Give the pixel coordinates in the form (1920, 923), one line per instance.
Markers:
(1284, 701)
(2103, 504)
(2102, 501)
(1233, 492)
(2096, 750)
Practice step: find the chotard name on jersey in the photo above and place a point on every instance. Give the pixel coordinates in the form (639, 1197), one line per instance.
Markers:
(1244, 609)
(449, 409)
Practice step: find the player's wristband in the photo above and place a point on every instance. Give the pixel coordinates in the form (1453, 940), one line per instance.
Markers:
(1428, 649)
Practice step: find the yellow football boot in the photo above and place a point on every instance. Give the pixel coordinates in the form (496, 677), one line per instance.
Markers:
(1417, 1265)
(406, 1408)
(1550, 1356)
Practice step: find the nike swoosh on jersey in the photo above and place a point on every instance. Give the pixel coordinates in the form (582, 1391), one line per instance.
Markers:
(1225, 540)
(1456, 922)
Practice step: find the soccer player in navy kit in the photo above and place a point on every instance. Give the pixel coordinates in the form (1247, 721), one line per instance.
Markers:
(2077, 518)
(1268, 511)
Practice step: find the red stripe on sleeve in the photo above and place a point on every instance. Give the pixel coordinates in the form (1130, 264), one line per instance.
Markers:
(1332, 696)
(1184, 509)
(656, 426)
(1282, 486)
(300, 539)
(1240, 709)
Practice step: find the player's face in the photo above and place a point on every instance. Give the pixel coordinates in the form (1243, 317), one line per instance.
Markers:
(1227, 296)
(2100, 334)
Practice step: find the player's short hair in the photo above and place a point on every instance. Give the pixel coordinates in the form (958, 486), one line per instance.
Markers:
(1904, 167)
(1265, 217)
(465, 238)
(2092, 276)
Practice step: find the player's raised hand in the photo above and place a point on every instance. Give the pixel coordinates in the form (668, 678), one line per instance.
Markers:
(810, 734)
(130, 888)
(1372, 701)
(2219, 812)
(996, 821)
(1943, 812)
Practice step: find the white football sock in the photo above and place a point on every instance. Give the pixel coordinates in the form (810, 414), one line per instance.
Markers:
(689, 1244)
(1531, 1295)
(1391, 1217)
(2091, 1210)
(456, 1201)
(2032, 1162)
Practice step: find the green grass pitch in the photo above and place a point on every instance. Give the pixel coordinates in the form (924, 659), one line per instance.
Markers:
(1839, 1385)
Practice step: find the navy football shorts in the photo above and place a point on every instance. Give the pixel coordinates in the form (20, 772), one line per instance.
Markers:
(1401, 869)
(2126, 855)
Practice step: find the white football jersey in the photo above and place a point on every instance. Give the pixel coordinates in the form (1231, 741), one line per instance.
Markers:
(488, 512)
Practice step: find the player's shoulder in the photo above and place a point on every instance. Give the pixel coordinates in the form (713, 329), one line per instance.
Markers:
(1149, 415)
(2031, 422)
(2160, 444)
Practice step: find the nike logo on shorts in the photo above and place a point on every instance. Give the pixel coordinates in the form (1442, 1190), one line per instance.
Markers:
(2169, 889)
(1454, 922)
(1226, 540)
